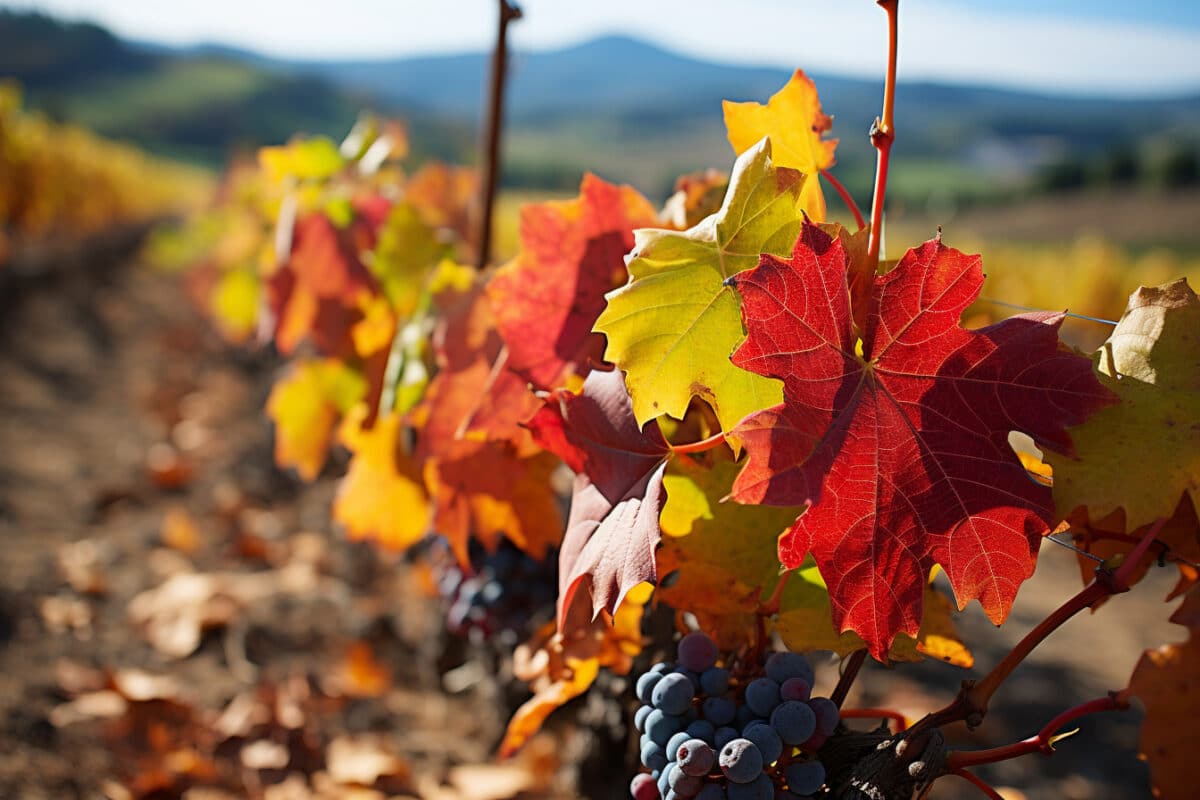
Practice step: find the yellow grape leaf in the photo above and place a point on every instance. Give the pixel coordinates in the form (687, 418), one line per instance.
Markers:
(1152, 363)
(1167, 681)
(381, 498)
(376, 329)
(794, 121)
(408, 250)
(234, 304)
(673, 326)
(725, 553)
(559, 668)
(305, 159)
(805, 622)
(305, 404)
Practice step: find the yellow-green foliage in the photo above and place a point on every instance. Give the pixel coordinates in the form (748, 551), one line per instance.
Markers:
(58, 179)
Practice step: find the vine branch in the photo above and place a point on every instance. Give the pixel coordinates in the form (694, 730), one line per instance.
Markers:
(847, 198)
(854, 663)
(883, 132)
(1042, 742)
(972, 702)
(492, 133)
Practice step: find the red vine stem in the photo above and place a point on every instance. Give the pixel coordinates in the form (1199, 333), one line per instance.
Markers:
(854, 663)
(495, 123)
(876, 713)
(1043, 742)
(771, 606)
(972, 702)
(714, 441)
(844, 193)
(883, 133)
(978, 783)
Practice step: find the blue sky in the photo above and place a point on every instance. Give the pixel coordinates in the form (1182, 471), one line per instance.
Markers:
(1089, 46)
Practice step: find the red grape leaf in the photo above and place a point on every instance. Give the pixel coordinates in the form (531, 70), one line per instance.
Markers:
(474, 395)
(612, 529)
(547, 299)
(1167, 681)
(899, 440)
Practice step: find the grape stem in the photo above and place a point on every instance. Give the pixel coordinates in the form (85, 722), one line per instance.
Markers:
(876, 713)
(883, 133)
(978, 783)
(972, 702)
(847, 198)
(853, 664)
(712, 442)
(491, 145)
(1042, 742)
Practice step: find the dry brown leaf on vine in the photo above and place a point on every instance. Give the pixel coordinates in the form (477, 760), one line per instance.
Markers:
(560, 668)
(1105, 538)
(1167, 681)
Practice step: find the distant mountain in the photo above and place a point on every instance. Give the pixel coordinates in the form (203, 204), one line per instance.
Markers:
(617, 89)
(195, 106)
(623, 107)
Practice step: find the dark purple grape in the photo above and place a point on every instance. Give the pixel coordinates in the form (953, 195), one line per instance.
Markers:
(695, 757)
(745, 715)
(653, 755)
(662, 668)
(714, 681)
(827, 714)
(702, 729)
(794, 721)
(660, 726)
(805, 777)
(645, 686)
(675, 743)
(682, 784)
(766, 740)
(762, 695)
(642, 787)
(741, 761)
(719, 710)
(795, 689)
(639, 718)
(673, 694)
(697, 652)
(664, 782)
(712, 791)
(724, 736)
(781, 666)
(760, 788)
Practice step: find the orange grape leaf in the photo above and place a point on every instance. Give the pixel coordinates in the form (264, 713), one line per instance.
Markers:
(546, 300)
(444, 196)
(560, 666)
(488, 490)
(1167, 681)
(305, 405)
(474, 396)
(612, 529)
(794, 121)
(381, 498)
(897, 439)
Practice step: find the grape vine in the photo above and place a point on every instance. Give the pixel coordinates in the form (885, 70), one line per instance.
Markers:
(737, 346)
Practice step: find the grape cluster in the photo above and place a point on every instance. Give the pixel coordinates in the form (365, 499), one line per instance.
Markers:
(504, 595)
(711, 733)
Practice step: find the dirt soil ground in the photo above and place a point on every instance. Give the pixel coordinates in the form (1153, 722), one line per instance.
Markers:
(178, 618)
